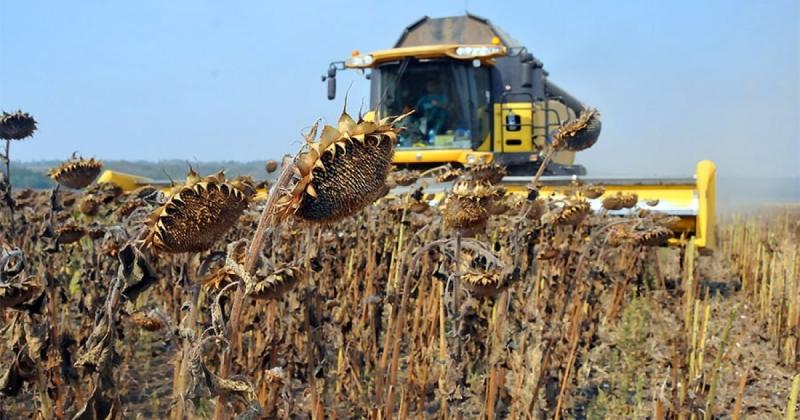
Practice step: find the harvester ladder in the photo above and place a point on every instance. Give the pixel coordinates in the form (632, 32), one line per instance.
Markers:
(547, 110)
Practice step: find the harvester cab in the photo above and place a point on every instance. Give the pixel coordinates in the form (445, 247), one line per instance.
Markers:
(478, 95)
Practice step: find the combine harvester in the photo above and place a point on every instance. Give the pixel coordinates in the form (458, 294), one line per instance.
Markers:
(481, 96)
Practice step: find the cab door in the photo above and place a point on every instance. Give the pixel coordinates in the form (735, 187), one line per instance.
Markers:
(513, 127)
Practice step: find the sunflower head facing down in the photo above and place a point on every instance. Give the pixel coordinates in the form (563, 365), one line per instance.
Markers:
(341, 172)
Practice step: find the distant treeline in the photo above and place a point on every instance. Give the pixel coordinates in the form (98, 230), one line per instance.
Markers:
(731, 190)
(34, 174)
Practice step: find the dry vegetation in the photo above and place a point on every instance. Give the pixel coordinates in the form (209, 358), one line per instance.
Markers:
(468, 304)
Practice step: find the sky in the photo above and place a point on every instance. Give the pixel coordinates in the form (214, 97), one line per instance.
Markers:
(676, 82)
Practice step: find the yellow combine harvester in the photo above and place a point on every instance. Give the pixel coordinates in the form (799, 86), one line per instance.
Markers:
(480, 96)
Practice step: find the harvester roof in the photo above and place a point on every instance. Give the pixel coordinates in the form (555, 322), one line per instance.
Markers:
(464, 30)
(465, 37)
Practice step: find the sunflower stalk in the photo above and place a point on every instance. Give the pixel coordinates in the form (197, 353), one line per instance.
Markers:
(9, 198)
(256, 244)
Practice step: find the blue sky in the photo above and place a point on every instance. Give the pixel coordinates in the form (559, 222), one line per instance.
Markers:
(676, 81)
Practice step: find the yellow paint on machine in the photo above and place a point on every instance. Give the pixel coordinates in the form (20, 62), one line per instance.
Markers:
(423, 155)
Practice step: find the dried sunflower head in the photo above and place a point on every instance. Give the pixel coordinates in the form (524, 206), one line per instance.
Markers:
(19, 291)
(343, 172)
(629, 200)
(106, 192)
(271, 166)
(284, 277)
(70, 233)
(268, 282)
(579, 134)
(488, 172)
(448, 174)
(197, 215)
(128, 207)
(76, 173)
(16, 125)
(655, 236)
(96, 231)
(484, 279)
(498, 203)
(149, 321)
(404, 177)
(573, 213)
(618, 235)
(593, 191)
(89, 205)
(613, 202)
(465, 209)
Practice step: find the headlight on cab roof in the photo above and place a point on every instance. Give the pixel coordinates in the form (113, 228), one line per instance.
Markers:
(479, 51)
(360, 61)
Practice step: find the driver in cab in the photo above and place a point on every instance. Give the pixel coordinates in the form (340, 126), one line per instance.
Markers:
(432, 110)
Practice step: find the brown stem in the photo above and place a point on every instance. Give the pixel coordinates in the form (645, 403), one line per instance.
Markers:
(249, 265)
(457, 295)
(308, 300)
(9, 197)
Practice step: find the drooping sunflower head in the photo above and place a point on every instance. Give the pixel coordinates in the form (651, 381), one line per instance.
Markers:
(16, 125)
(149, 321)
(593, 191)
(488, 172)
(342, 172)
(572, 213)
(268, 281)
(613, 202)
(70, 233)
(465, 209)
(76, 173)
(197, 215)
(655, 236)
(449, 174)
(629, 200)
(89, 205)
(486, 277)
(580, 133)
(405, 177)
